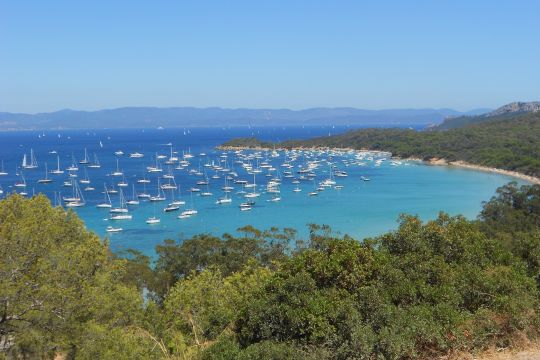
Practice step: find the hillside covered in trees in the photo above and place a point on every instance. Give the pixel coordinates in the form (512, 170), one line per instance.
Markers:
(510, 144)
(424, 290)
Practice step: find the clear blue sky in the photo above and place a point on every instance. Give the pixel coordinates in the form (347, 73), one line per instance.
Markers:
(267, 54)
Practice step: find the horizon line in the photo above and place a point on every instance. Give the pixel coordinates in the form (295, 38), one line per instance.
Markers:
(255, 108)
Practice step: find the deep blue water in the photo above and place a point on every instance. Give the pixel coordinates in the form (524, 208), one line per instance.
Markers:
(360, 209)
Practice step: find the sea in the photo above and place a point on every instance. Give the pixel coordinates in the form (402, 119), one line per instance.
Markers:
(370, 196)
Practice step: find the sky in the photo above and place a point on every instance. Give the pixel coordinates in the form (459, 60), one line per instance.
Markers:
(377, 54)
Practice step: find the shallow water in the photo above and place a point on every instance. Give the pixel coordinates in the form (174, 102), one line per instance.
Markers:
(360, 209)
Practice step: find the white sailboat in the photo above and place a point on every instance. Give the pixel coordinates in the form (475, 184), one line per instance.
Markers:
(85, 160)
(45, 180)
(77, 199)
(254, 193)
(246, 206)
(177, 202)
(275, 195)
(117, 172)
(144, 194)
(172, 158)
(120, 213)
(189, 212)
(227, 188)
(170, 185)
(95, 164)
(2, 171)
(86, 179)
(153, 219)
(73, 166)
(207, 192)
(156, 168)
(160, 195)
(226, 199)
(122, 207)
(314, 192)
(174, 206)
(107, 203)
(134, 199)
(57, 171)
(33, 162)
(144, 180)
(188, 154)
(123, 183)
(112, 190)
(22, 181)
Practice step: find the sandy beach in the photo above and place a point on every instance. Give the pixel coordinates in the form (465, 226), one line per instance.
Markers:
(466, 165)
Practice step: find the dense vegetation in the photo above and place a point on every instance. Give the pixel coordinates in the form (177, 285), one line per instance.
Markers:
(424, 290)
(510, 144)
(248, 142)
(461, 121)
(504, 112)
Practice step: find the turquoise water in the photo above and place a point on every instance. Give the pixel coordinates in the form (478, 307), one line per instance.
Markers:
(360, 209)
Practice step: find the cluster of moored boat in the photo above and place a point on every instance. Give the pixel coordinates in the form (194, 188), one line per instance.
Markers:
(232, 173)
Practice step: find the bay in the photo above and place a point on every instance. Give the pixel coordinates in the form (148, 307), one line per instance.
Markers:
(360, 209)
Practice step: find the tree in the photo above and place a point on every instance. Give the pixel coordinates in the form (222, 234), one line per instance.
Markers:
(205, 305)
(56, 279)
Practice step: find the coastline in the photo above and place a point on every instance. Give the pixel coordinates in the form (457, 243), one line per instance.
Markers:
(434, 161)
(466, 165)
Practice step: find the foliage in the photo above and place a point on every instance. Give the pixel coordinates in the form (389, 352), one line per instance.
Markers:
(57, 282)
(513, 218)
(249, 142)
(417, 291)
(421, 291)
(230, 254)
(461, 121)
(205, 305)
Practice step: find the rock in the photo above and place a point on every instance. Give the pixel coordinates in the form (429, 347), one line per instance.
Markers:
(516, 107)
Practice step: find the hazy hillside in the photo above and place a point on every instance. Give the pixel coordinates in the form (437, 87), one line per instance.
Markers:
(130, 117)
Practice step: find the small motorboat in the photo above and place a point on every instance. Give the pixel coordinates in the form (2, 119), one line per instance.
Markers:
(112, 229)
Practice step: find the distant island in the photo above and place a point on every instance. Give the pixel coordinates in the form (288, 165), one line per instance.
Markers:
(148, 117)
(502, 140)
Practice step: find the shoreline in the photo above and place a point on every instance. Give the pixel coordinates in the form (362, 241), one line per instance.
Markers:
(434, 161)
(466, 165)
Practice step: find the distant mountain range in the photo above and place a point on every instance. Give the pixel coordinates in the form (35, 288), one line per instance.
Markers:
(506, 111)
(147, 117)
